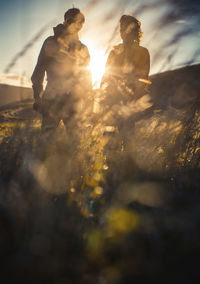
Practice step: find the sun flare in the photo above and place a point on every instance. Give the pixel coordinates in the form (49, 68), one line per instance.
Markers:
(97, 65)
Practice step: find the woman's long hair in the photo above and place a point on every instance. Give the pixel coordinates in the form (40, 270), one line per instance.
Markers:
(127, 21)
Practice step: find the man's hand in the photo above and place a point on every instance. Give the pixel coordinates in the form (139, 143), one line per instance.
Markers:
(37, 105)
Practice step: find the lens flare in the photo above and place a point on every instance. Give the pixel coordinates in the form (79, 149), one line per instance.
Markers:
(97, 65)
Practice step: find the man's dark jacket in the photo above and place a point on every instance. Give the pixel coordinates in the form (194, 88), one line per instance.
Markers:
(65, 61)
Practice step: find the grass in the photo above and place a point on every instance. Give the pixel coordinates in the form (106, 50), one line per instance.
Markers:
(116, 202)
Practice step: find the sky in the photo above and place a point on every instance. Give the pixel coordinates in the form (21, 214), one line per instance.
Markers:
(171, 31)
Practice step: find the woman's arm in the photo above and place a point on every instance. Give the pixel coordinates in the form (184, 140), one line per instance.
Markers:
(142, 70)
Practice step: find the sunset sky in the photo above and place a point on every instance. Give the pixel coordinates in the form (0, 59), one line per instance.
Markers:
(171, 35)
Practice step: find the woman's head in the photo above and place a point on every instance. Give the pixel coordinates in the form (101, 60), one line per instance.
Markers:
(130, 29)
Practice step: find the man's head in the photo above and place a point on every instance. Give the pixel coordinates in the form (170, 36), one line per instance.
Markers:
(73, 20)
(130, 29)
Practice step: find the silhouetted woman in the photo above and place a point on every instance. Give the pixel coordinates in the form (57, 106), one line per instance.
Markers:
(128, 62)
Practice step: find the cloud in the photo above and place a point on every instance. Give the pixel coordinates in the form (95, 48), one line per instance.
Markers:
(91, 5)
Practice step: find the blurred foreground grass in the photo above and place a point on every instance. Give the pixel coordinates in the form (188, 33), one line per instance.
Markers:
(101, 206)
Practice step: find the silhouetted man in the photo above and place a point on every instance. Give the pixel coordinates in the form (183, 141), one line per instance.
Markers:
(64, 59)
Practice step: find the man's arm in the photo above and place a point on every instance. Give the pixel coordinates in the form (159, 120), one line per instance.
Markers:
(37, 77)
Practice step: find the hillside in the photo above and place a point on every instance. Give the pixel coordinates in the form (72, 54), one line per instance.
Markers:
(177, 87)
(10, 94)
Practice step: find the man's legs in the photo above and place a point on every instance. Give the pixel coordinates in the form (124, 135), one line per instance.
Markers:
(71, 131)
(49, 125)
(48, 128)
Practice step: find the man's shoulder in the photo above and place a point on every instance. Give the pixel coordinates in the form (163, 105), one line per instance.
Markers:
(49, 40)
(50, 45)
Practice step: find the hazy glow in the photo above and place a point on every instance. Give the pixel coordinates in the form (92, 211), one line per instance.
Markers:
(97, 65)
(15, 80)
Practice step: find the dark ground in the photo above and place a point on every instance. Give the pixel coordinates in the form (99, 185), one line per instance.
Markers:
(121, 208)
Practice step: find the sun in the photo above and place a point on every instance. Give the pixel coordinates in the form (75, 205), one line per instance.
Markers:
(97, 65)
